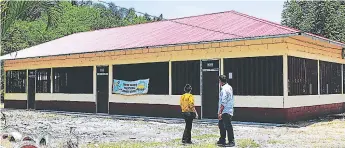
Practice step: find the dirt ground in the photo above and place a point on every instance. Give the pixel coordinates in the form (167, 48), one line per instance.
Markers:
(97, 131)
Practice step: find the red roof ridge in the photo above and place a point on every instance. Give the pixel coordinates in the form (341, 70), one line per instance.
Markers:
(200, 15)
(264, 21)
(230, 11)
(125, 26)
(164, 20)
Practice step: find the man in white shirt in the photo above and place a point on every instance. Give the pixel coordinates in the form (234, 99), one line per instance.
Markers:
(225, 112)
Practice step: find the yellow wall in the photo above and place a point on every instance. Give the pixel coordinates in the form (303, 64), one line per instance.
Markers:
(295, 46)
(312, 49)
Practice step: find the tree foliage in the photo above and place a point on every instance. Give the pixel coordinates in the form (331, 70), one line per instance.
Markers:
(29, 23)
(12, 11)
(325, 18)
(74, 16)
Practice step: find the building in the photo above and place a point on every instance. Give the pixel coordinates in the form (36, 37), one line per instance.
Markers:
(278, 74)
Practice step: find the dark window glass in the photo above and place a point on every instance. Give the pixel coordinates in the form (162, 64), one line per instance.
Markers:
(74, 80)
(330, 78)
(43, 80)
(16, 81)
(185, 72)
(256, 76)
(302, 76)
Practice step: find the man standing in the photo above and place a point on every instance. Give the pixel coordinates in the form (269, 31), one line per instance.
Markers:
(225, 112)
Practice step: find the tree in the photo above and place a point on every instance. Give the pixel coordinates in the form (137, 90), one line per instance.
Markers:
(28, 10)
(12, 11)
(114, 9)
(160, 17)
(325, 18)
(23, 33)
(292, 14)
(147, 17)
(81, 3)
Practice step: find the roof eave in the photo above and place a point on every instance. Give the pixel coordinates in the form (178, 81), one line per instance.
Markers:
(315, 37)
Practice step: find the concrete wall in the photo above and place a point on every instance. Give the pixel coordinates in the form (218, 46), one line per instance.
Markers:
(313, 100)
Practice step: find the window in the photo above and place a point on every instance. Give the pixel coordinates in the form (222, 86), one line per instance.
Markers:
(330, 78)
(255, 75)
(158, 73)
(43, 80)
(16, 81)
(185, 72)
(344, 78)
(74, 80)
(302, 76)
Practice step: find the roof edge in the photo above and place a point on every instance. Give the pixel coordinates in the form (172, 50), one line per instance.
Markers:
(266, 21)
(316, 37)
(167, 45)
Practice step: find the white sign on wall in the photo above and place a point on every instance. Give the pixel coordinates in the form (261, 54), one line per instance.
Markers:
(230, 75)
(131, 87)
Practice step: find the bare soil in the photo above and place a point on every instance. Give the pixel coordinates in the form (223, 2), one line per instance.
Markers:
(98, 131)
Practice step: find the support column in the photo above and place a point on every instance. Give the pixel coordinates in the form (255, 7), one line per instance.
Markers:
(1, 81)
(110, 76)
(201, 115)
(51, 80)
(318, 77)
(170, 81)
(1, 76)
(27, 88)
(221, 66)
(94, 73)
(342, 79)
(5, 80)
(285, 78)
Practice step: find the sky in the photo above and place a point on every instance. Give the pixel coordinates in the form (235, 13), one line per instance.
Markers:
(268, 10)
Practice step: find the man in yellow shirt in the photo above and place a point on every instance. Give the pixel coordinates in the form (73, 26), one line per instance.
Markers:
(188, 113)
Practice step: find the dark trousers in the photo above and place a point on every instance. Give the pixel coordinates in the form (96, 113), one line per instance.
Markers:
(225, 126)
(188, 118)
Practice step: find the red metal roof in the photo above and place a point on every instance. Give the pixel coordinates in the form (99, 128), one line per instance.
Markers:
(224, 25)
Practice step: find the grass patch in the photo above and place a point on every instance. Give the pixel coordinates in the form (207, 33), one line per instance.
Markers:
(197, 143)
(205, 136)
(203, 145)
(49, 115)
(6, 143)
(247, 143)
(271, 141)
(196, 132)
(335, 123)
(124, 144)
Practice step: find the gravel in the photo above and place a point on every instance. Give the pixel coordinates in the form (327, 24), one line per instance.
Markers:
(95, 131)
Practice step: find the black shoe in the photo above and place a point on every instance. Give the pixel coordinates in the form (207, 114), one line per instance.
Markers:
(221, 143)
(231, 144)
(184, 141)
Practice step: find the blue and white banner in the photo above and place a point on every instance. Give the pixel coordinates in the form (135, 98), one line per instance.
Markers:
(131, 87)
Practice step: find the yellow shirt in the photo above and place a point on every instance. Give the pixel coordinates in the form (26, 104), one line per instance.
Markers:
(187, 102)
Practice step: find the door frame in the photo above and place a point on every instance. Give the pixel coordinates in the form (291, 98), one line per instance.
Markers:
(202, 70)
(27, 92)
(96, 101)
